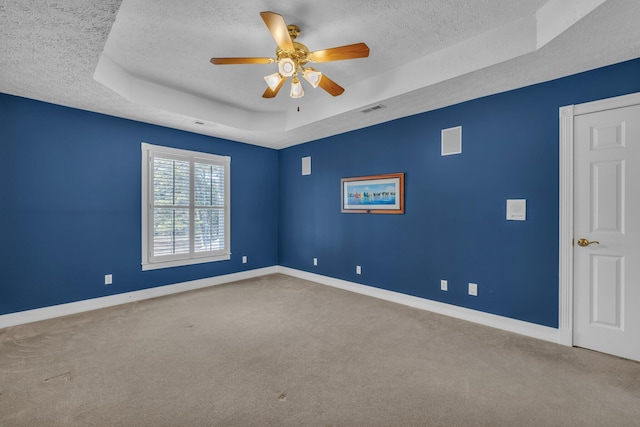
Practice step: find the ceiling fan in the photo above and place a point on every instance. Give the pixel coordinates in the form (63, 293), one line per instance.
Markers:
(292, 58)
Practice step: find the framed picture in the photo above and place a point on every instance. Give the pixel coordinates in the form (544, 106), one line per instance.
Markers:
(383, 194)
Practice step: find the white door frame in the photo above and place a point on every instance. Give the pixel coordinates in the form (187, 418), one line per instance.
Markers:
(567, 114)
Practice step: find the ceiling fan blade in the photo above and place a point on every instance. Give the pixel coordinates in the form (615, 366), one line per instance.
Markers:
(351, 51)
(272, 93)
(278, 28)
(231, 61)
(330, 86)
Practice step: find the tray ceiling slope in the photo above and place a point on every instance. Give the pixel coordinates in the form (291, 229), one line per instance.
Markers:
(148, 60)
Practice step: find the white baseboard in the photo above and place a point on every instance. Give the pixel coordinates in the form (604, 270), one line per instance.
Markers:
(38, 314)
(512, 325)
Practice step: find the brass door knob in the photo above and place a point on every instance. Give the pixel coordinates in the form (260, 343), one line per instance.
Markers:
(585, 242)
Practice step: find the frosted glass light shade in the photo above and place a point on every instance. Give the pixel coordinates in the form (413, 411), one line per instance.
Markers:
(273, 80)
(286, 67)
(312, 76)
(296, 88)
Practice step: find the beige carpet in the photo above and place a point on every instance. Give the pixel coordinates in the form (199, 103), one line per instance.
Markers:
(279, 351)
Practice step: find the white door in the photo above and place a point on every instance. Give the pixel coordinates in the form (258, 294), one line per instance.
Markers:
(607, 218)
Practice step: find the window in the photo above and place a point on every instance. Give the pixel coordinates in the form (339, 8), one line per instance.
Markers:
(185, 207)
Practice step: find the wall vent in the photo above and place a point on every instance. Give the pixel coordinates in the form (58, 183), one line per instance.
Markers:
(306, 165)
(451, 141)
(374, 108)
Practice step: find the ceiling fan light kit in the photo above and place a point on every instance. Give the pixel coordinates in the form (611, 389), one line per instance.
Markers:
(273, 80)
(292, 57)
(296, 88)
(312, 76)
(287, 67)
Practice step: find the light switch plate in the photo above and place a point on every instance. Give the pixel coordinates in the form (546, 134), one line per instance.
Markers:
(108, 279)
(358, 269)
(444, 286)
(517, 209)
(244, 259)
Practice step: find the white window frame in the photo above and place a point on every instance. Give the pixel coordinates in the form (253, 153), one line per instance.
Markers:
(149, 262)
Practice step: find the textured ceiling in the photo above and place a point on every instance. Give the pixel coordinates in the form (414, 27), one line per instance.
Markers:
(147, 60)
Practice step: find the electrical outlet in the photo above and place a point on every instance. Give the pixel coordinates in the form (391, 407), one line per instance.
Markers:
(315, 261)
(444, 286)
(108, 279)
(244, 259)
(358, 269)
(473, 289)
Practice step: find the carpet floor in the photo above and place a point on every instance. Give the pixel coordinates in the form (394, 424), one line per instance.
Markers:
(280, 351)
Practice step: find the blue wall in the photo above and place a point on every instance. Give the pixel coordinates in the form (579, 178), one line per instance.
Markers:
(70, 204)
(454, 225)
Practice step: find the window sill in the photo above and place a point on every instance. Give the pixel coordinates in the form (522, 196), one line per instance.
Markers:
(181, 262)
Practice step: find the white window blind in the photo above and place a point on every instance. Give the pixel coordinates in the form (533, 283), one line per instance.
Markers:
(185, 207)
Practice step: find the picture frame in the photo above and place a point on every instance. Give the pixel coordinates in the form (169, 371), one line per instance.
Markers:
(377, 194)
